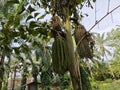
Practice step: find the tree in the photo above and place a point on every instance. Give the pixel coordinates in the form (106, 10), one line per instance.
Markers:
(101, 71)
(113, 38)
(114, 67)
(25, 34)
(102, 46)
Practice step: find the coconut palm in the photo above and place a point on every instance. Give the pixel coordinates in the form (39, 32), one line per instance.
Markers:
(102, 46)
(114, 40)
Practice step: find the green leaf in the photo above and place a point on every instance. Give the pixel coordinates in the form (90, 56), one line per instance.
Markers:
(17, 21)
(8, 48)
(34, 43)
(10, 20)
(94, 0)
(33, 24)
(103, 35)
(44, 32)
(13, 1)
(79, 1)
(15, 34)
(35, 33)
(37, 55)
(31, 9)
(21, 10)
(22, 32)
(16, 49)
(24, 48)
(36, 14)
(10, 3)
(38, 4)
(2, 23)
(109, 53)
(41, 17)
(29, 17)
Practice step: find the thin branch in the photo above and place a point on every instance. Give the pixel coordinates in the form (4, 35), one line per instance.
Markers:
(96, 24)
(103, 18)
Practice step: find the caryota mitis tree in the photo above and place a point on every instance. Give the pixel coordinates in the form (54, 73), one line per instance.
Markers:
(23, 23)
(63, 55)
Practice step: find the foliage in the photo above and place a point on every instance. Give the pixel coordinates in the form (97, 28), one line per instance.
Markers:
(102, 46)
(106, 85)
(85, 76)
(114, 40)
(65, 81)
(24, 75)
(22, 24)
(101, 72)
(115, 68)
(46, 70)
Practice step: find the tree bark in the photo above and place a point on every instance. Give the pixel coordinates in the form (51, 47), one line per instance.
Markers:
(13, 85)
(74, 65)
(1, 69)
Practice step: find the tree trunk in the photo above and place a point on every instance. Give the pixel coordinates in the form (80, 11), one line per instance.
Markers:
(1, 69)
(13, 85)
(24, 77)
(35, 74)
(75, 76)
(74, 65)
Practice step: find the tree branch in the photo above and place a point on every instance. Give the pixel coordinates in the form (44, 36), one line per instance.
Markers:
(103, 18)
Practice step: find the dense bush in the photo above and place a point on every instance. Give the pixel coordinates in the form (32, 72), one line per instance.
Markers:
(115, 69)
(101, 72)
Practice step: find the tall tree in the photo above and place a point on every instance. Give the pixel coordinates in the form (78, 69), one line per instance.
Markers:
(102, 46)
(113, 38)
(25, 12)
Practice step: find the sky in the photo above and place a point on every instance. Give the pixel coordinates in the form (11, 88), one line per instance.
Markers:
(107, 23)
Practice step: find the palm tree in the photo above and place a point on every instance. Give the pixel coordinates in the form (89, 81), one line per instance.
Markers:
(114, 41)
(23, 34)
(102, 46)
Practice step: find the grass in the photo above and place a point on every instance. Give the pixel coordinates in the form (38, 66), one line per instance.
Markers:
(106, 85)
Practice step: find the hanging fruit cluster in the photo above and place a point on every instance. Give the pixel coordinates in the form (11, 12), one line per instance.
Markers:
(60, 55)
(84, 40)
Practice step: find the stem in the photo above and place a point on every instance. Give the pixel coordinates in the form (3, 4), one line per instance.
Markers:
(74, 65)
(13, 85)
(67, 21)
(2, 68)
(66, 24)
